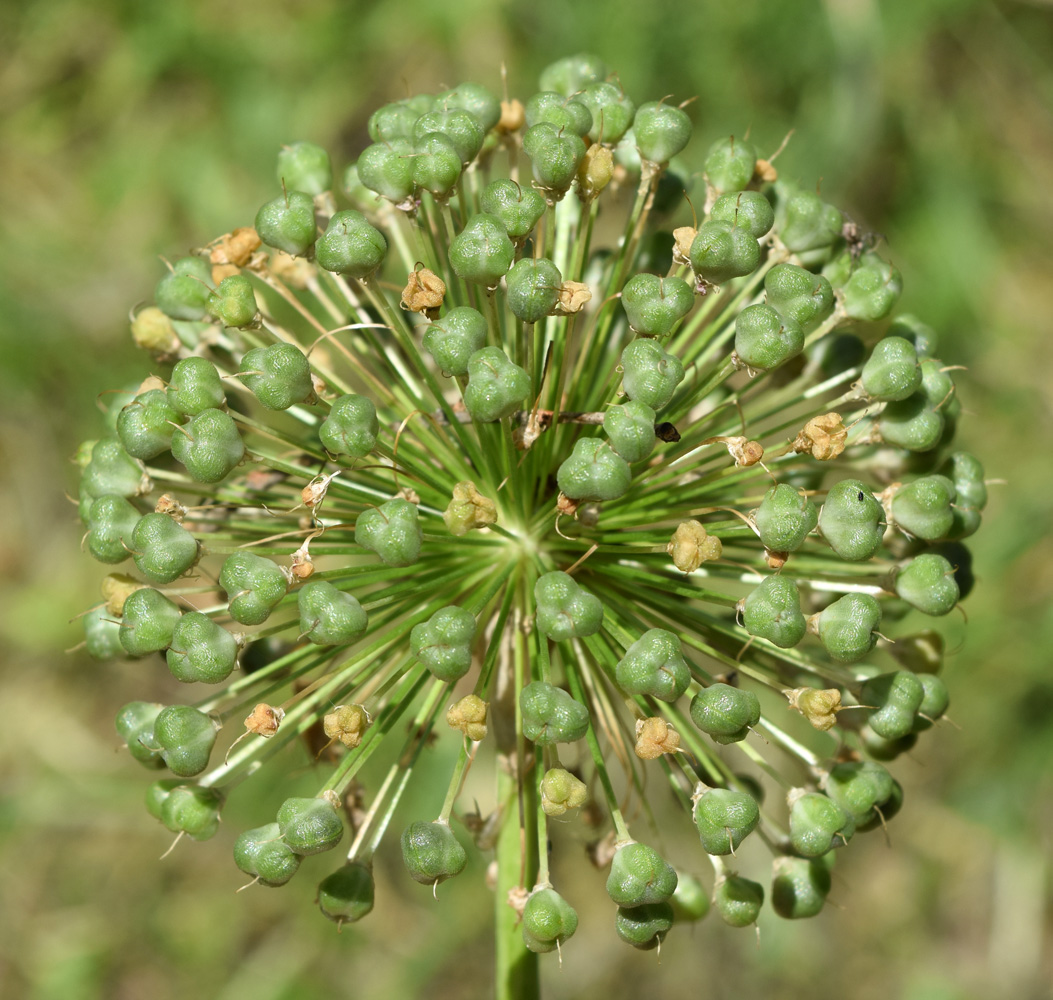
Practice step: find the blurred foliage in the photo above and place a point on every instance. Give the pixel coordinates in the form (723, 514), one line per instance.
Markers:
(129, 130)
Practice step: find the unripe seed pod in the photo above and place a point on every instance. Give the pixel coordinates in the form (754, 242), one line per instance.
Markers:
(572, 74)
(738, 900)
(654, 665)
(912, 423)
(158, 792)
(533, 286)
(303, 166)
(594, 471)
(309, 826)
(548, 920)
(153, 331)
(721, 251)
(630, 428)
(111, 524)
(453, 339)
(254, 586)
(798, 294)
(164, 550)
(351, 246)
(846, 628)
(644, 927)
(726, 713)
(469, 510)
(435, 165)
(262, 854)
(432, 853)
(893, 699)
(640, 876)
(135, 725)
(612, 111)
(195, 386)
(460, 126)
(148, 622)
(764, 339)
(818, 824)
(724, 819)
(807, 225)
(392, 531)
(690, 902)
(101, 635)
(799, 887)
(111, 471)
(851, 520)
(566, 610)
(656, 304)
(891, 372)
(287, 223)
(785, 518)
(661, 131)
(444, 642)
(872, 290)
(888, 809)
(772, 611)
(555, 156)
(923, 508)
(469, 717)
(859, 788)
(748, 210)
(392, 121)
(186, 737)
(347, 894)
(482, 252)
(201, 650)
(233, 303)
(562, 113)
(145, 424)
(933, 704)
(328, 616)
(473, 97)
(927, 583)
(650, 375)
(351, 427)
(730, 164)
(208, 446)
(967, 474)
(551, 715)
(561, 791)
(516, 207)
(183, 292)
(192, 810)
(496, 386)
(387, 168)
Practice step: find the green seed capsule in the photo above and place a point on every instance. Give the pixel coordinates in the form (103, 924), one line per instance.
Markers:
(112, 472)
(724, 819)
(933, 704)
(799, 887)
(351, 427)
(287, 223)
(262, 854)
(654, 665)
(101, 635)
(392, 531)
(644, 927)
(785, 518)
(482, 252)
(158, 792)
(891, 373)
(432, 853)
(517, 208)
(209, 446)
(920, 335)
(640, 876)
(818, 824)
(548, 920)
(254, 586)
(164, 550)
(859, 788)
(630, 428)
(888, 809)
(195, 386)
(893, 699)
(721, 251)
(594, 472)
(872, 290)
(800, 295)
(730, 164)
(550, 715)
(533, 288)
(192, 810)
(135, 725)
(655, 305)
(566, 610)
(351, 246)
(233, 303)
(927, 583)
(738, 900)
(726, 713)
(347, 894)
(147, 622)
(330, 617)
(562, 113)
(435, 165)
(473, 97)
(852, 520)
(764, 339)
(912, 423)
(185, 737)
(111, 522)
(881, 749)
(303, 166)
(387, 169)
(453, 339)
(772, 611)
(807, 225)
(967, 474)
(496, 386)
(846, 628)
(572, 74)
(690, 901)
(201, 650)
(444, 642)
(923, 508)
(612, 111)
(183, 292)
(555, 156)
(650, 375)
(391, 122)
(144, 426)
(748, 210)
(661, 131)
(309, 826)
(461, 127)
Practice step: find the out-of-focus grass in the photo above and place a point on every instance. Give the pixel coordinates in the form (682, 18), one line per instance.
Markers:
(131, 130)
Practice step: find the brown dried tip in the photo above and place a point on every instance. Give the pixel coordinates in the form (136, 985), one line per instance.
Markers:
(743, 451)
(408, 494)
(683, 237)
(469, 717)
(153, 331)
(818, 706)
(764, 172)
(823, 436)
(168, 504)
(654, 738)
(149, 383)
(301, 564)
(424, 292)
(566, 506)
(775, 560)
(346, 723)
(594, 171)
(572, 297)
(233, 251)
(513, 116)
(294, 271)
(469, 510)
(265, 720)
(691, 546)
(116, 589)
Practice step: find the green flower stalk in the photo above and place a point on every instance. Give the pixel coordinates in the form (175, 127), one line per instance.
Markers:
(597, 479)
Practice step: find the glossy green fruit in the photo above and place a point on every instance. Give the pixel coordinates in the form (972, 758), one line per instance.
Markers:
(738, 900)
(882, 749)
(163, 550)
(328, 616)
(548, 920)
(860, 788)
(851, 520)
(262, 854)
(496, 386)
(254, 586)
(185, 737)
(460, 126)
(661, 131)
(912, 423)
(612, 111)
(569, 75)
(891, 372)
(721, 251)
(562, 113)
(351, 427)
(111, 524)
(798, 294)
(195, 386)
(101, 634)
(144, 426)
(807, 225)
(927, 583)
(208, 446)
(888, 809)
(818, 824)
(555, 156)
(690, 902)
(785, 518)
(644, 927)
(391, 122)
(435, 165)
(724, 819)
(135, 725)
(772, 611)
(482, 252)
(799, 887)
(872, 290)
(551, 715)
(630, 428)
(473, 97)
(347, 894)
(730, 164)
(726, 713)
(923, 508)
(309, 826)
(748, 210)
(533, 286)
(147, 622)
(201, 650)
(192, 810)
(518, 208)
(287, 223)
(387, 168)
(967, 474)
(431, 853)
(594, 471)
(351, 245)
(303, 166)
(111, 471)
(640, 876)
(847, 627)
(934, 703)
(566, 610)
(233, 302)
(454, 338)
(650, 375)
(656, 304)
(444, 642)
(183, 292)
(392, 531)
(764, 339)
(894, 700)
(654, 665)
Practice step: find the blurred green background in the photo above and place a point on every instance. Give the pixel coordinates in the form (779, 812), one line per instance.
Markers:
(132, 129)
